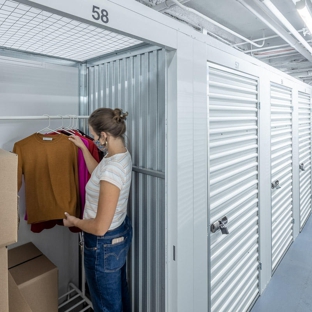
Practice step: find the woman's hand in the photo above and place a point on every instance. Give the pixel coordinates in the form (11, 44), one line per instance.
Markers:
(69, 220)
(77, 141)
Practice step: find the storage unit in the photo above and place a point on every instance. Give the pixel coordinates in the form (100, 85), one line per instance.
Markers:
(117, 81)
(281, 171)
(233, 155)
(304, 105)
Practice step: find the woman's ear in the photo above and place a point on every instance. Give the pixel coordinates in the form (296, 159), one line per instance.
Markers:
(104, 135)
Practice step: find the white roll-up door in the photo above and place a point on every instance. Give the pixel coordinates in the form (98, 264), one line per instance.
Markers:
(233, 189)
(281, 171)
(304, 156)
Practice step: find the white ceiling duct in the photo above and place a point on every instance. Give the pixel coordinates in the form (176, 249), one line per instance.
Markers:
(215, 23)
(258, 25)
(255, 9)
(167, 5)
(285, 22)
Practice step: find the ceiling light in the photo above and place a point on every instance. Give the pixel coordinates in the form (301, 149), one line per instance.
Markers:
(304, 12)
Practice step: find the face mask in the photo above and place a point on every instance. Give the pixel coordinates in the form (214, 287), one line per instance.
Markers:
(101, 147)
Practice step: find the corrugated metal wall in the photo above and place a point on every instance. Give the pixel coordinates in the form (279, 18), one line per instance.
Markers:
(137, 85)
(304, 105)
(281, 171)
(233, 163)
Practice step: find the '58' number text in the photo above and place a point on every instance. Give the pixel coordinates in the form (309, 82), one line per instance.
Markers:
(99, 14)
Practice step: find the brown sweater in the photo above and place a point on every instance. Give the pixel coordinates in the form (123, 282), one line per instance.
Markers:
(49, 165)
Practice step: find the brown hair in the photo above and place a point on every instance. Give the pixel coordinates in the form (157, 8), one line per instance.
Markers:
(108, 120)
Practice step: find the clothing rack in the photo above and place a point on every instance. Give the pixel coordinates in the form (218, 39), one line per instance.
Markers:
(74, 297)
(42, 117)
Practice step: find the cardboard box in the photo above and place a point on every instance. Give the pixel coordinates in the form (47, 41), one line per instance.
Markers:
(4, 296)
(8, 198)
(35, 276)
(17, 302)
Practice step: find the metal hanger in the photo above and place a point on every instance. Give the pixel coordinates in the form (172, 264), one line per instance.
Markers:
(62, 128)
(70, 127)
(48, 129)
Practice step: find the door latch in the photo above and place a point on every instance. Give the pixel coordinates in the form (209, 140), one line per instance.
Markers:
(301, 167)
(275, 185)
(220, 225)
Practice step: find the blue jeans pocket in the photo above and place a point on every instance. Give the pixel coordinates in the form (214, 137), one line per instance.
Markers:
(89, 256)
(115, 255)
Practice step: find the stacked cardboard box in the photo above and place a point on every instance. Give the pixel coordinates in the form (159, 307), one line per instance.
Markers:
(36, 278)
(4, 294)
(8, 219)
(29, 280)
(16, 300)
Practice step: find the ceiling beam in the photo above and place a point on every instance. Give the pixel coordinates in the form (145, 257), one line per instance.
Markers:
(270, 20)
(299, 71)
(302, 75)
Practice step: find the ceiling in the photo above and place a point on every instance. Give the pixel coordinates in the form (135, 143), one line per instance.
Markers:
(269, 30)
(28, 29)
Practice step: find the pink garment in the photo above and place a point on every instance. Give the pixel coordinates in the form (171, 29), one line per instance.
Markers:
(83, 175)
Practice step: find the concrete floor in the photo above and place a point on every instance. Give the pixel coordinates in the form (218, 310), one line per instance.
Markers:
(290, 289)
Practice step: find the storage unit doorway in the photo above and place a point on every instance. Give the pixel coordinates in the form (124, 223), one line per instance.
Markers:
(111, 70)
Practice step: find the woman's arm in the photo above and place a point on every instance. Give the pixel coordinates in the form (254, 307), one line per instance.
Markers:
(89, 159)
(98, 226)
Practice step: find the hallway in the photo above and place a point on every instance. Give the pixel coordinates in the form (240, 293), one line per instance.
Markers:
(290, 289)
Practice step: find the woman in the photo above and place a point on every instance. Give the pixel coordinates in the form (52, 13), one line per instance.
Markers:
(107, 230)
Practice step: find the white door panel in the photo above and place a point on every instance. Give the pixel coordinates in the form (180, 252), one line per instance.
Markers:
(281, 171)
(233, 188)
(304, 156)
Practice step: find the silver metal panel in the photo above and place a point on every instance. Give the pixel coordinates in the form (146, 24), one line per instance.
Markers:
(137, 84)
(233, 147)
(83, 97)
(304, 105)
(281, 171)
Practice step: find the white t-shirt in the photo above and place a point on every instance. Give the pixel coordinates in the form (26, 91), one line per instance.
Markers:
(117, 170)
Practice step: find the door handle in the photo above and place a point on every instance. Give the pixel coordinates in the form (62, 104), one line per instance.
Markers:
(275, 185)
(220, 225)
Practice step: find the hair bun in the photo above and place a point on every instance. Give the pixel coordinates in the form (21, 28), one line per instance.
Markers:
(119, 115)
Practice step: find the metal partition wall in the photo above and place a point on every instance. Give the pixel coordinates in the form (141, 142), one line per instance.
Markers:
(304, 156)
(233, 157)
(137, 85)
(281, 171)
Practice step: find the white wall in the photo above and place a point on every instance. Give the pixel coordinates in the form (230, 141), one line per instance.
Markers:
(186, 175)
(33, 89)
